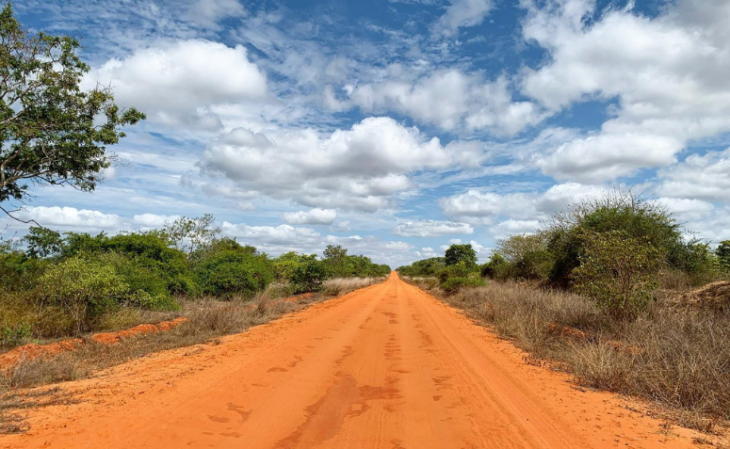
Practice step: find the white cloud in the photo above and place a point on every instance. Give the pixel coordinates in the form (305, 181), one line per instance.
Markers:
(343, 226)
(177, 83)
(153, 220)
(669, 75)
(431, 228)
(360, 169)
(209, 12)
(70, 216)
(462, 13)
(521, 208)
(313, 216)
(448, 99)
(698, 176)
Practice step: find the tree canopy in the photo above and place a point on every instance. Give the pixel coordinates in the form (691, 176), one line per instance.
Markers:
(51, 131)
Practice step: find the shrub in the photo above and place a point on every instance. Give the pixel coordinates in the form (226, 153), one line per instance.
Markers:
(149, 250)
(453, 284)
(15, 334)
(148, 288)
(309, 277)
(619, 211)
(526, 257)
(723, 254)
(228, 268)
(617, 271)
(82, 287)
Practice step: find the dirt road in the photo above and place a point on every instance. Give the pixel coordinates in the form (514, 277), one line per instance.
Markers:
(384, 367)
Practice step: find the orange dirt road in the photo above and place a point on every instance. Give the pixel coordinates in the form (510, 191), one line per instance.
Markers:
(384, 367)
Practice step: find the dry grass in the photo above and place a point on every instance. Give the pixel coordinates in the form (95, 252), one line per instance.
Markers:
(678, 357)
(208, 320)
(342, 286)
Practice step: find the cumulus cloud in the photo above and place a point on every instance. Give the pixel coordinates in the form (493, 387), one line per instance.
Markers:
(177, 83)
(431, 228)
(314, 216)
(359, 169)
(153, 220)
(462, 13)
(698, 176)
(523, 207)
(668, 73)
(449, 99)
(70, 216)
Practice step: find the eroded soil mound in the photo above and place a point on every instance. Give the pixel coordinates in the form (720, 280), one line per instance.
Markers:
(32, 350)
(715, 295)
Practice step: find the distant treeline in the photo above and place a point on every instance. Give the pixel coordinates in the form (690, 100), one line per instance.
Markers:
(617, 249)
(75, 277)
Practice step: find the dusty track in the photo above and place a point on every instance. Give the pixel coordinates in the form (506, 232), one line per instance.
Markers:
(384, 367)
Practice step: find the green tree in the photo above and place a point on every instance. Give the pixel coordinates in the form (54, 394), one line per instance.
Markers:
(43, 242)
(309, 277)
(336, 256)
(618, 271)
(723, 254)
(51, 132)
(461, 253)
(525, 256)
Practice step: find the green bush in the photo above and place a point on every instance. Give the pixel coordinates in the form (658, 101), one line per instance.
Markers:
(723, 254)
(452, 285)
(423, 268)
(228, 268)
(525, 257)
(309, 277)
(83, 288)
(465, 254)
(150, 250)
(148, 288)
(15, 334)
(620, 211)
(618, 271)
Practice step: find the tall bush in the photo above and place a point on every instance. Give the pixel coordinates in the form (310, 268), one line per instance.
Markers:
(83, 288)
(618, 271)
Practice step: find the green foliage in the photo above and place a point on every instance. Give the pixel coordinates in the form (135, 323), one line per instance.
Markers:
(496, 268)
(15, 334)
(43, 242)
(455, 277)
(723, 254)
(309, 277)
(18, 272)
(82, 287)
(148, 288)
(620, 211)
(461, 254)
(227, 268)
(454, 284)
(525, 257)
(335, 256)
(425, 268)
(618, 271)
(51, 130)
(149, 250)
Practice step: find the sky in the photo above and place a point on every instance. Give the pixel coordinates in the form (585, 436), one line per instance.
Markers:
(397, 127)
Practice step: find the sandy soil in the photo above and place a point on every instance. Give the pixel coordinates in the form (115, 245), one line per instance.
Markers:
(387, 366)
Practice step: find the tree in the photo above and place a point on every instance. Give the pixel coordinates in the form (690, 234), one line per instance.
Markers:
(335, 256)
(189, 234)
(461, 253)
(723, 254)
(526, 256)
(50, 130)
(618, 271)
(43, 242)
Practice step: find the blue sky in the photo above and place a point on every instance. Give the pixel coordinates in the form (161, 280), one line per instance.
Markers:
(394, 127)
